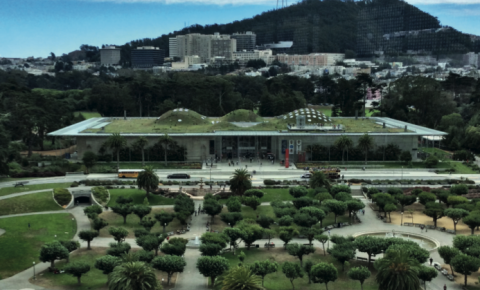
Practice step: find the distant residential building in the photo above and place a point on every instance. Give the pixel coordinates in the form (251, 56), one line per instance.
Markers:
(109, 55)
(280, 47)
(147, 57)
(244, 56)
(205, 46)
(311, 60)
(245, 41)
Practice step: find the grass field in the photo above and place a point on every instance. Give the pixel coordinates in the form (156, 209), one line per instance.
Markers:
(192, 122)
(32, 187)
(278, 281)
(93, 280)
(161, 165)
(115, 220)
(20, 245)
(89, 115)
(458, 166)
(8, 179)
(138, 197)
(35, 202)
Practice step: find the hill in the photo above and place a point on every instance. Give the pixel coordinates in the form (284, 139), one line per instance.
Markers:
(392, 26)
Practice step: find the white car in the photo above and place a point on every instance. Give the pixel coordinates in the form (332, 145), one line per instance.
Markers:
(306, 175)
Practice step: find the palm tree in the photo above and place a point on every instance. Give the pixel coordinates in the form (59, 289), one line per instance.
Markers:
(318, 179)
(140, 144)
(366, 143)
(240, 278)
(240, 181)
(132, 276)
(165, 141)
(397, 270)
(147, 179)
(116, 142)
(344, 143)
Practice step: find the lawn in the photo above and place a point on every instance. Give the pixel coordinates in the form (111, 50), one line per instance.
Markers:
(138, 197)
(458, 166)
(32, 187)
(439, 153)
(267, 210)
(272, 194)
(88, 115)
(35, 202)
(115, 220)
(192, 122)
(158, 165)
(20, 245)
(94, 279)
(278, 281)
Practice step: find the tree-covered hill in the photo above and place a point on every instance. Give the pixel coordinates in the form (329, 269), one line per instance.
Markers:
(336, 26)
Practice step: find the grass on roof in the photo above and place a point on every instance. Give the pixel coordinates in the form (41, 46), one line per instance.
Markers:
(242, 115)
(192, 122)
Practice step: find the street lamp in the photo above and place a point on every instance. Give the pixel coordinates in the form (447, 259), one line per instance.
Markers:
(34, 278)
(164, 226)
(210, 175)
(402, 218)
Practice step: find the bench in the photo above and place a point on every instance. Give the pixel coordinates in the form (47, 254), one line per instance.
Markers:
(271, 245)
(430, 227)
(170, 233)
(408, 224)
(20, 183)
(227, 250)
(451, 232)
(362, 259)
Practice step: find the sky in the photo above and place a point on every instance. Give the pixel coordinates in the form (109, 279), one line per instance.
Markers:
(38, 27)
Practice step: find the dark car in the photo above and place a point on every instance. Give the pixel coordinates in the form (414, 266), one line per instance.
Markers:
(178, 176)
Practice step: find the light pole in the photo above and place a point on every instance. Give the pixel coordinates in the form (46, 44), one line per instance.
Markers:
(402, 218)
(164, 226)
(34, 278)
(73, 226)
(210, 175)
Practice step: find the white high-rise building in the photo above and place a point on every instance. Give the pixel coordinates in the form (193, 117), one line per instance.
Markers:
(205, 46)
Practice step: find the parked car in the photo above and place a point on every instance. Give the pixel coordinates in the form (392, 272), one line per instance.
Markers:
(178, 176)
(306, 175)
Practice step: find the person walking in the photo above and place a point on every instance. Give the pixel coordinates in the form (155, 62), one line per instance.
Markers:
(445, 287)
(28, 225)
(431, 261)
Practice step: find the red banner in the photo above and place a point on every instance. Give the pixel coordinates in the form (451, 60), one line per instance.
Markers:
(286, 158)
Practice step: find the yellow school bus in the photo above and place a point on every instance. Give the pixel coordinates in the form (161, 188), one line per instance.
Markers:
(129, 173)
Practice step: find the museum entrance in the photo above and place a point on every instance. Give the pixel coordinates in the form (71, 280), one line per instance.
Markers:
(246, 146)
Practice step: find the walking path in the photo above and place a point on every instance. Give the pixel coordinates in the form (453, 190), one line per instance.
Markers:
(192, 279)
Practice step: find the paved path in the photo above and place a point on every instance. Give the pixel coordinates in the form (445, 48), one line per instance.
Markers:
(192, 279)
(23, 193)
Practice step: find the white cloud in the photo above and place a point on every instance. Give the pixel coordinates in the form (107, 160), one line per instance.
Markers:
(208, 2)
(432, 2)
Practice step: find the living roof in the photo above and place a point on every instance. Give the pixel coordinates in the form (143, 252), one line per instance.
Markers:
(239, 122)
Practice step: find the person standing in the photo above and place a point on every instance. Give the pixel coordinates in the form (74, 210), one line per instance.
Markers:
(445, 287)
(28, 225)
(431, 261)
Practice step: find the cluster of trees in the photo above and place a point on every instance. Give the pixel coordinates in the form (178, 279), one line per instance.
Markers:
(366, 149)
(451, 203)
(463, 257)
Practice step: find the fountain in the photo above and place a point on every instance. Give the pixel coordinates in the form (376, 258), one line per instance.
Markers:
(425, 242)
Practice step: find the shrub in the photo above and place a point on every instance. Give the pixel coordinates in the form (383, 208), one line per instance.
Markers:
(62, 196)
(431, 161)
(269, 182)
(100, 193)
(463, 155)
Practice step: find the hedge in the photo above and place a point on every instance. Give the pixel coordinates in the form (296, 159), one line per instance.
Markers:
(100, 193)
(62, 196)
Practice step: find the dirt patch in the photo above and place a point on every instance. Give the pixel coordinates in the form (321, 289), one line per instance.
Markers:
(420, 218)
